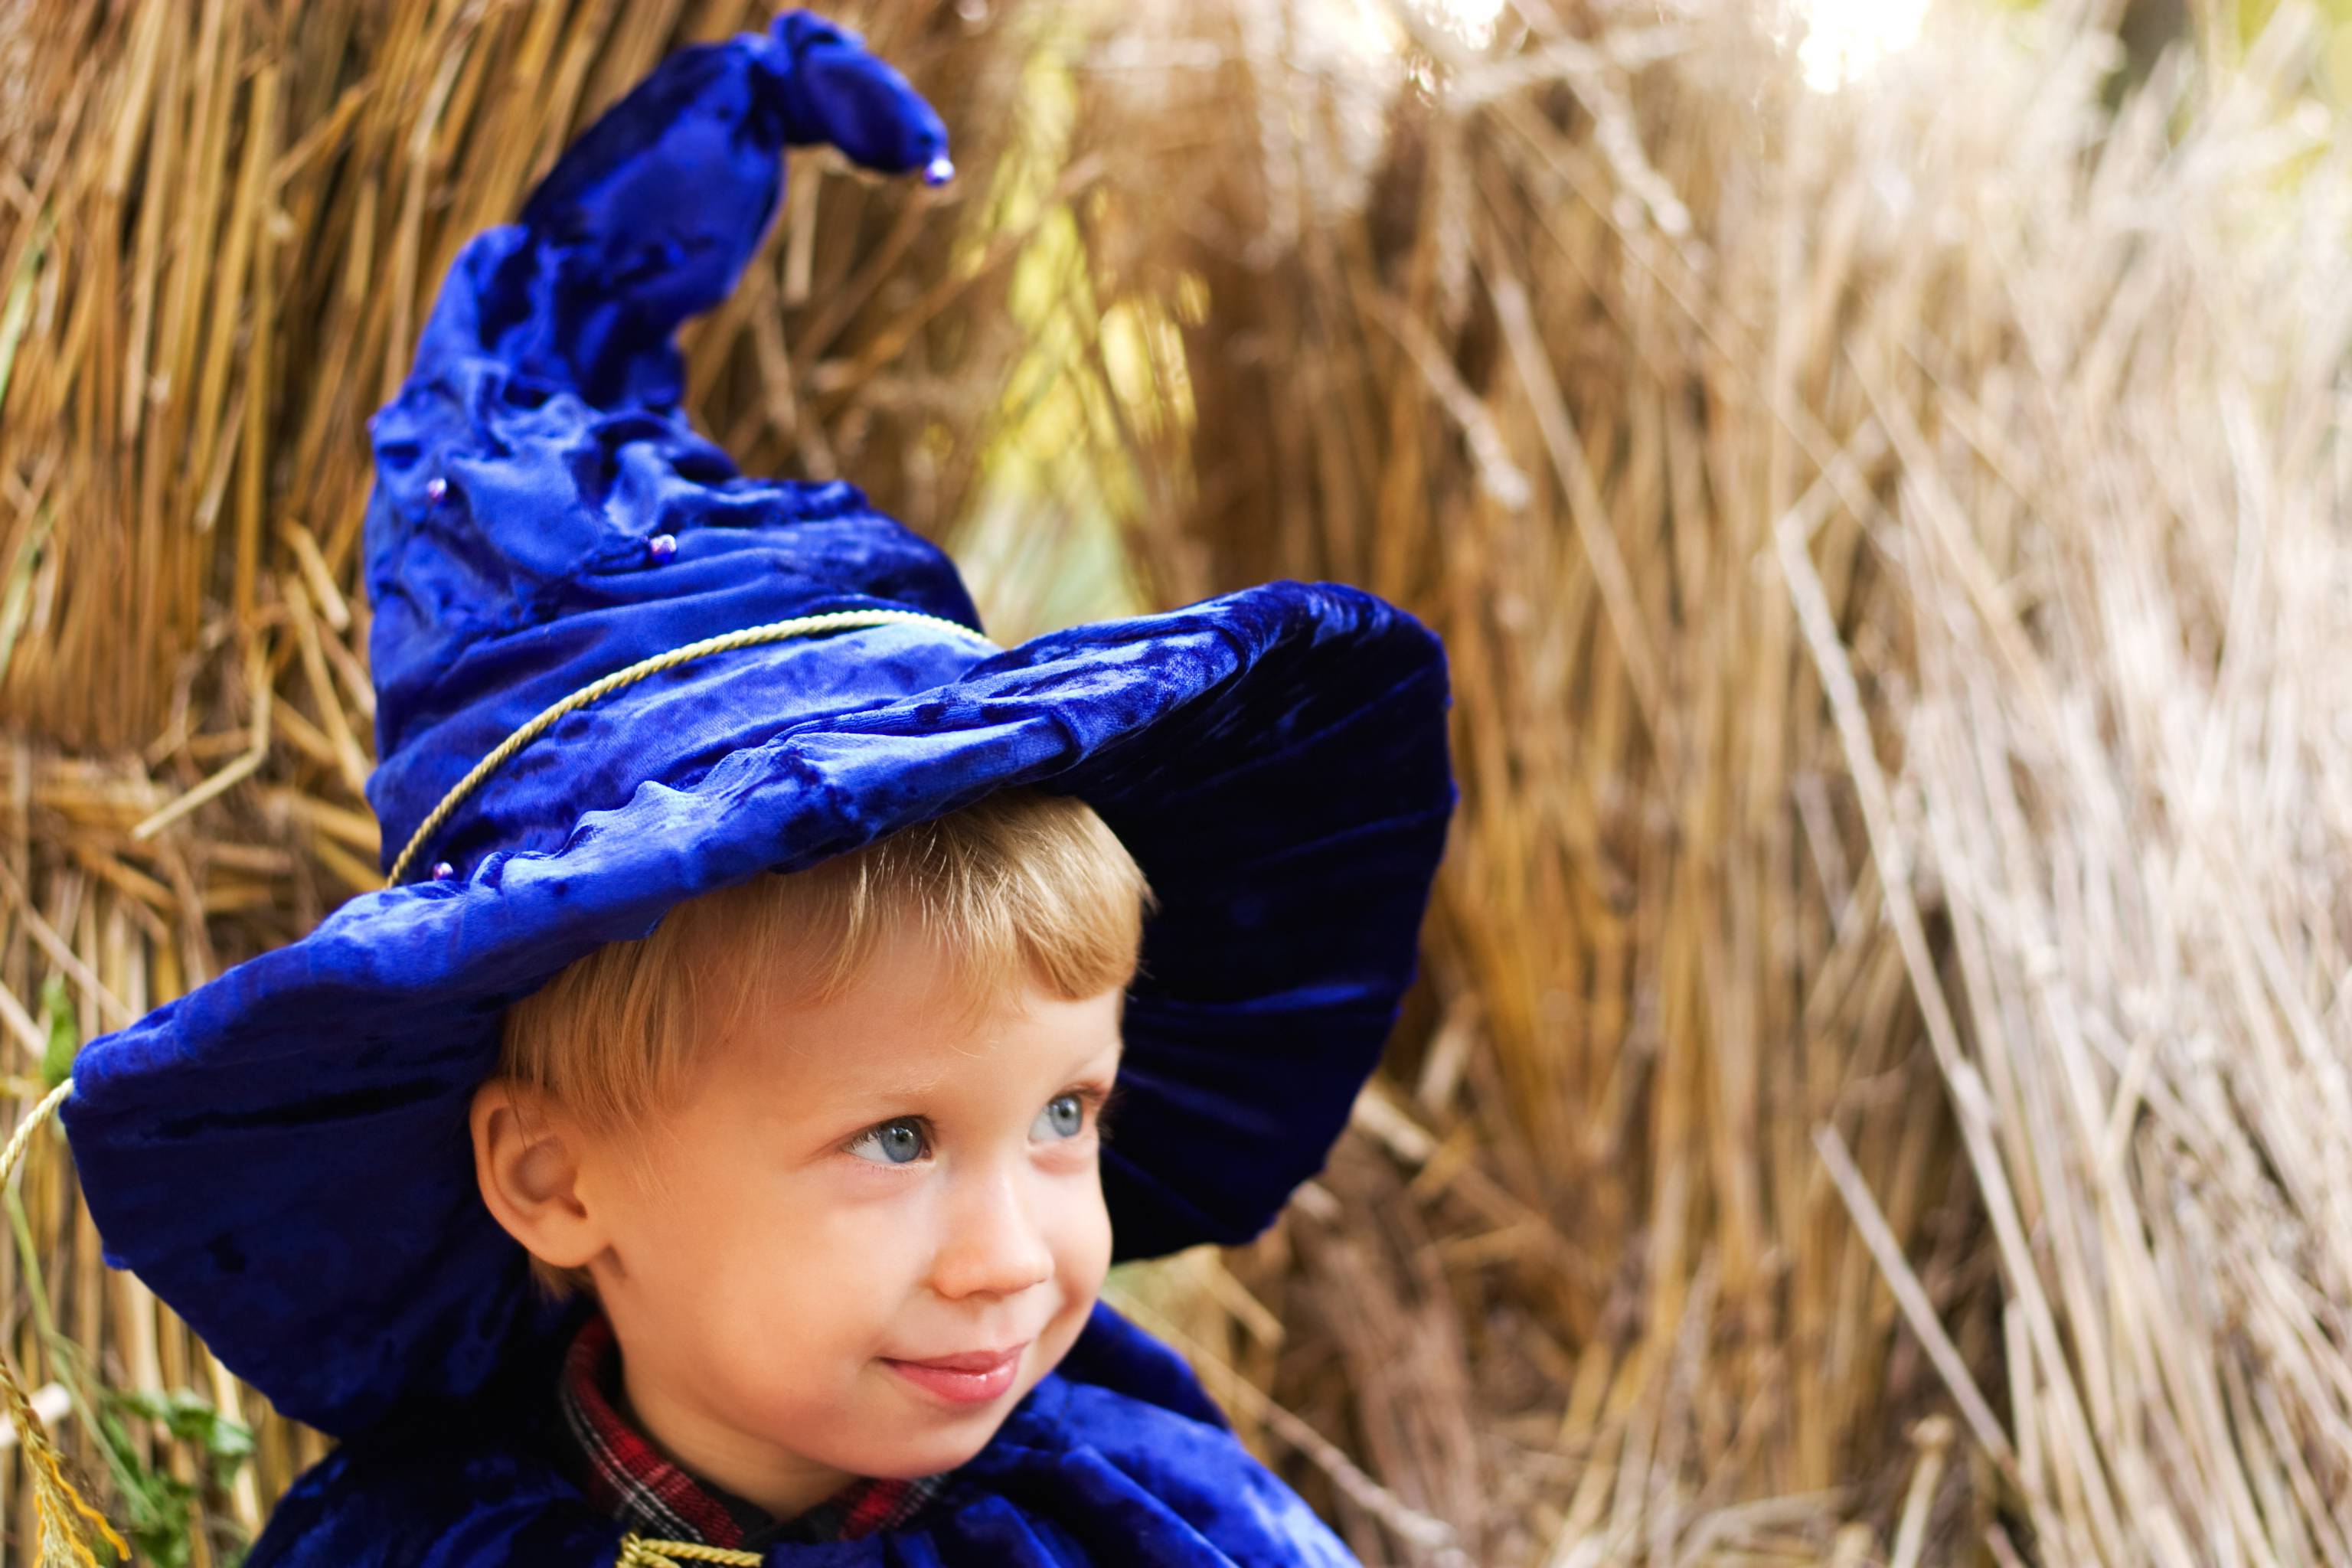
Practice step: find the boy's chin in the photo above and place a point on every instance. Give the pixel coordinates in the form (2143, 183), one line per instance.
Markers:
(919, 1453)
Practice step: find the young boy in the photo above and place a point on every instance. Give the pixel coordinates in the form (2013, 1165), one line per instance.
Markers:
(697, 1152)
(925, 1267)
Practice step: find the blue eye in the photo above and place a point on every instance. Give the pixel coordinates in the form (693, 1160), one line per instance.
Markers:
(1066, 1113)
(905, 1139)
(903, 1136)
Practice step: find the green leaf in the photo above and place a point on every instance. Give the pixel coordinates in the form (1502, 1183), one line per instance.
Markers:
(191, 1419)
(159, 1508)
(65, 1035)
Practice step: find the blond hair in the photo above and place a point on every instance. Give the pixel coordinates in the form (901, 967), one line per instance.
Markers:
(1018, 885)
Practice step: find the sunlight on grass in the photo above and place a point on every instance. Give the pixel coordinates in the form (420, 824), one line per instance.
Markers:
(1839, 40)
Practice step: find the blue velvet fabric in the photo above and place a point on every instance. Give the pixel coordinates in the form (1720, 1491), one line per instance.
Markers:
(1116, 1459)
(283, 1154)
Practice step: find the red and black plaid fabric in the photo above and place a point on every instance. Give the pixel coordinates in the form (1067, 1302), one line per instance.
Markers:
(621, 1473)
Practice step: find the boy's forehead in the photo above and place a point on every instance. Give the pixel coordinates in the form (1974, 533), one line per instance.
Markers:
(910, 1048)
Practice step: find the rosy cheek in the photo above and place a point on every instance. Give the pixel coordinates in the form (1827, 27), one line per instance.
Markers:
(1089, 1244)
(856, 1179)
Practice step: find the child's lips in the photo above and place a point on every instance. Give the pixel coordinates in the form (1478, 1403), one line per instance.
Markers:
(967, 1379)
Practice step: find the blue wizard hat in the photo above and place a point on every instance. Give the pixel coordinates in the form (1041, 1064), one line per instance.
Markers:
(613, 673)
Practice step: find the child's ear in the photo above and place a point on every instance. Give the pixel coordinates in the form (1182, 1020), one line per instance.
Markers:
(526, 1162)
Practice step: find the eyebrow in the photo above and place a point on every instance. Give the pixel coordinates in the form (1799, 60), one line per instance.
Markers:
(904, 1088)
(900, 1090)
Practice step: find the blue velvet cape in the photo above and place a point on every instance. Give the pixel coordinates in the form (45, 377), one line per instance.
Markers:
(283, 1154)
(1116, 1459)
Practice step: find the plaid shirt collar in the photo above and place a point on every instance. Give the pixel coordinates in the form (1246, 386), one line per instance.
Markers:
(622, 1474)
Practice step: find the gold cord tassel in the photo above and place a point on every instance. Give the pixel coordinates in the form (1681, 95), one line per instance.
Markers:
(637, 1551)
(55, 1501)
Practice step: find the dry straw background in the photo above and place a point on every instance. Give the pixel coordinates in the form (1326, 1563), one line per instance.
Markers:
(1881, 1086)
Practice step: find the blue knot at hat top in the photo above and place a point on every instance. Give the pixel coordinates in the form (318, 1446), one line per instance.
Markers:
(775, 674)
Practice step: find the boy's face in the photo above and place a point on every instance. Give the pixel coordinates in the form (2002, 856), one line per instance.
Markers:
(848, 1187)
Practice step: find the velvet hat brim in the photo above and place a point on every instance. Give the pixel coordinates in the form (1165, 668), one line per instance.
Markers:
(283, 1154)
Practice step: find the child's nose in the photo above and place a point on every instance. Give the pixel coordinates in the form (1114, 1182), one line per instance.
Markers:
(994, 1243)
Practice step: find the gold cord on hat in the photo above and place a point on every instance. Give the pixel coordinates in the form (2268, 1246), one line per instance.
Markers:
(749, 637)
